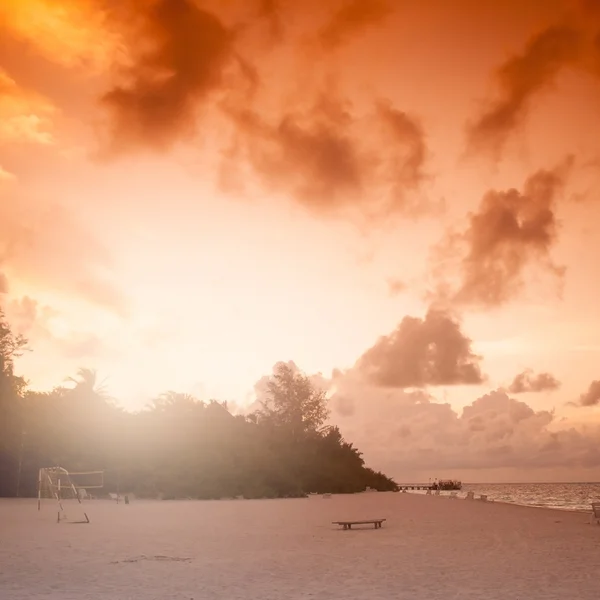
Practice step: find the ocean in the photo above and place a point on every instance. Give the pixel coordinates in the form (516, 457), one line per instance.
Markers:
(563, 496)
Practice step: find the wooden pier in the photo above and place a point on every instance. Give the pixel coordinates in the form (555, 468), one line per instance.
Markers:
(443, 485)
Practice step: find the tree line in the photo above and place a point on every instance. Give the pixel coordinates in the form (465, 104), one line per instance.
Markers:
(178, 446)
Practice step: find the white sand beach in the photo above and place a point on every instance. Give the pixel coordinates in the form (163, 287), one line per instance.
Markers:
(429, 548)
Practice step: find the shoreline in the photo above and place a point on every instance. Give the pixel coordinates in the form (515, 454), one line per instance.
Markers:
(512, 503)
(521, 505)
(476, 501)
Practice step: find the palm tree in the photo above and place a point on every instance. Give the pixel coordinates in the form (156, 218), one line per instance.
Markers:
(86, 385)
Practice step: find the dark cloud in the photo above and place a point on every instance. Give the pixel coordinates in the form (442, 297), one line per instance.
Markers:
(180, 52)
(421, 352)
(528, 381)
(573, 41)
(510, 231)
(333, 161)
(352, 18)
(183, 58)
(592, 396)
(520, 79)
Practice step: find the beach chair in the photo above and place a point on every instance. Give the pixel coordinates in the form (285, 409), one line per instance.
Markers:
(596, 512)
(470, 496)
(483, 498)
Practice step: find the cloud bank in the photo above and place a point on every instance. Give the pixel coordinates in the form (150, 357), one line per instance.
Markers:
(422, 352)
(403, 432)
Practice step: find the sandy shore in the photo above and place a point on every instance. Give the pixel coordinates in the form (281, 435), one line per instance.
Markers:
(430, 547)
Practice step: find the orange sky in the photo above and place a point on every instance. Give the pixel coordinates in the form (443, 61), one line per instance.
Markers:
(192, 191)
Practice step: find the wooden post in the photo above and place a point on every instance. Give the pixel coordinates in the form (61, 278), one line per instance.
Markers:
(39, 490)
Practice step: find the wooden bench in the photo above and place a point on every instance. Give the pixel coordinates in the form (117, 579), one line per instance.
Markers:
(348, 524)
(596, 512)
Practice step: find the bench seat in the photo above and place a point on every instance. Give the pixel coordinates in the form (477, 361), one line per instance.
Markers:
(348, 524)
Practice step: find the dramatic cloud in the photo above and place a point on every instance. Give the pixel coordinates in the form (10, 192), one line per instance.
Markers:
(521, 78)
(24, 115)
(592, 396)
(333, 161)
(181, 56)
(528, 381)
(510, 231)
(403, 432)
(421, 352)
(353, 17)
(573, 42)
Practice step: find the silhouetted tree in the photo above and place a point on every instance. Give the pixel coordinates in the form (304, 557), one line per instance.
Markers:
(293, 403)
(177, 446)
(11, 387)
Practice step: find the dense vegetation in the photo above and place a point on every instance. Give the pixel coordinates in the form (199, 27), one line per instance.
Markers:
(178, 446)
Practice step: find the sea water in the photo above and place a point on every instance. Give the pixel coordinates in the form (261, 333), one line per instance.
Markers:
(565, 496)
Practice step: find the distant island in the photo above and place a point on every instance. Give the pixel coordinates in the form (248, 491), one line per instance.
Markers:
(178, 447)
